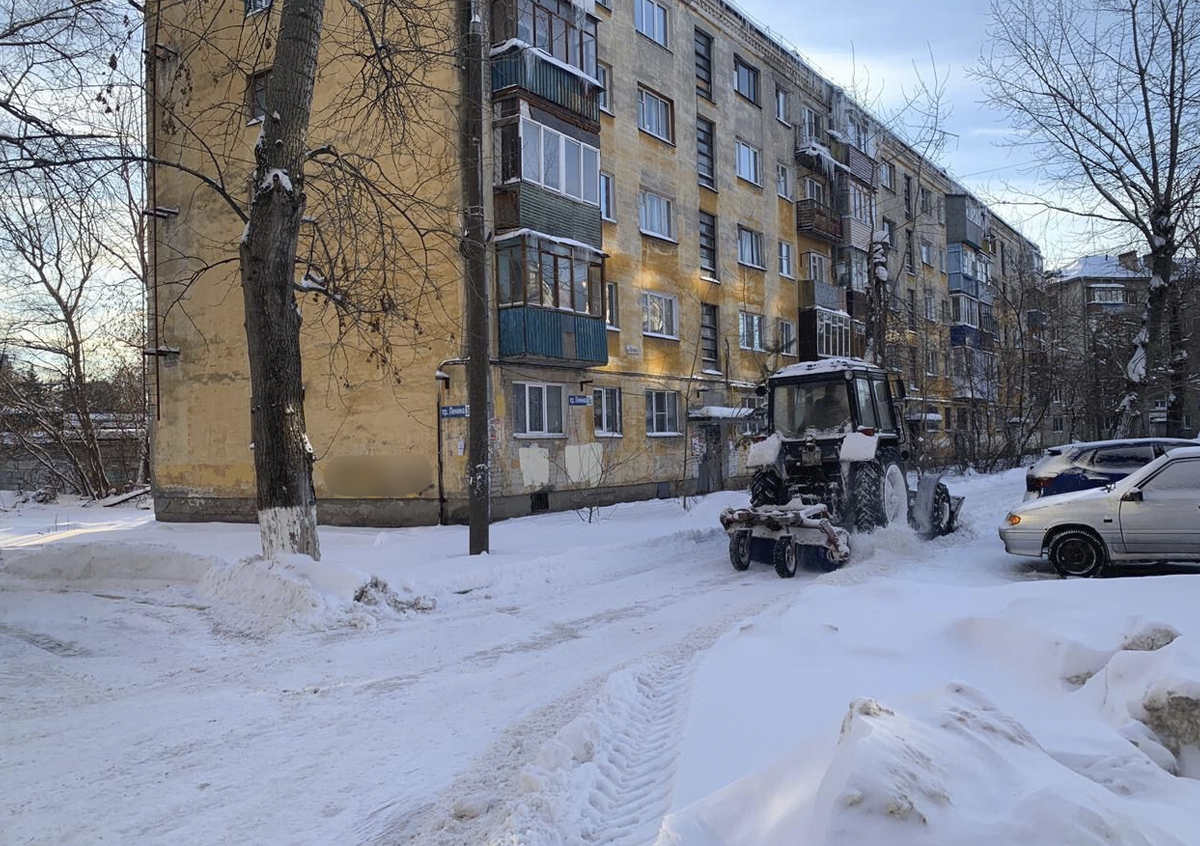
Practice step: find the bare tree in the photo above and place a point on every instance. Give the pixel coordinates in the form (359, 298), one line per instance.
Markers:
(1107, 94)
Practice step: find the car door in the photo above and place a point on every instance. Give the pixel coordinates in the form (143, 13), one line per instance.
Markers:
(1160, 517)
(1114, 463)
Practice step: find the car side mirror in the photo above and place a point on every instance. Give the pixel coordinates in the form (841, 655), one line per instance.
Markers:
(1134, 495)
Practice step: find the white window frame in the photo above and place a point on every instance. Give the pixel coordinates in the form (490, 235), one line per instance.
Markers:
(887, 176)
(748, 160)
(833, 333)
(931, 363)
(753, 75)
(608, 197)
(663, 209)
(664, 404)
(600, 409)
(787, 267)
(783, 180)
(750, 248)
(787, 339)
(604, 76)
(657, 25)
(926, 252)
(751, 331)
(861, 203)
(546, 431)
(668, 308)
(612, 306)
(656, 115)
(532, 129)
(782, 106)
(814, 190)
(818, 267)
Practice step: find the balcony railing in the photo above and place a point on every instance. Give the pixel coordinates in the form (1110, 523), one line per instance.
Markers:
(819, 220)
(527, 69)
(532, 332)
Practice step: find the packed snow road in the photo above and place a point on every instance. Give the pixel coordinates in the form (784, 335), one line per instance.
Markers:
(154, 693)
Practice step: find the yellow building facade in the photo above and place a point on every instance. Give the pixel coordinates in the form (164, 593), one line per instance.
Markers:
(677, 206)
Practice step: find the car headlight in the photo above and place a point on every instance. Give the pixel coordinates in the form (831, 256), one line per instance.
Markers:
(1012, 519)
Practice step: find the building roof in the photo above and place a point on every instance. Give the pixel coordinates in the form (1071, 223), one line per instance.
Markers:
(1096, 267)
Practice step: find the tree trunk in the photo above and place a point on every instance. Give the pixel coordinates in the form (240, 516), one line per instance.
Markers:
(287, 509)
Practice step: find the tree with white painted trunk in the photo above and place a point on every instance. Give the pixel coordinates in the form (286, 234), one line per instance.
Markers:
(1108, 95)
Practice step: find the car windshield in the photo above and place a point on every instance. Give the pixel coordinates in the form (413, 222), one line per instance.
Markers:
(815, 408)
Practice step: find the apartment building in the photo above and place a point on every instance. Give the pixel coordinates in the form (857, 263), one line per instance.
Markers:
(679, 205)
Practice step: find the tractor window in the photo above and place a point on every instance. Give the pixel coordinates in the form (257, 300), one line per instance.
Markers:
(887, 417)
(866, 408)
(819, 408)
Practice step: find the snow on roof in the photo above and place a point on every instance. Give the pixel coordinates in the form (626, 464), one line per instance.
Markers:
(719, 412)
(1096, 267)
(825, 365)
(1124, 442)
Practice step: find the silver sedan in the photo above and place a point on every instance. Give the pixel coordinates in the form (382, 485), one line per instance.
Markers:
(1151, 515)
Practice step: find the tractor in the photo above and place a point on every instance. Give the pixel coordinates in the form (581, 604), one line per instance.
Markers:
(833, 462)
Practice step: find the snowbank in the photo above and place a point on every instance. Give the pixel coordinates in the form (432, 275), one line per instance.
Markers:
(100, 564)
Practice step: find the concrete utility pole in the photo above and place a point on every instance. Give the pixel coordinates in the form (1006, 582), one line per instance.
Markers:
(474, 254)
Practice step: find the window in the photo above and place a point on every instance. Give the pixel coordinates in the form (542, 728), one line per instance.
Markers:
(889, 229)
(745, 80)
(608, 204)
(887, 176)
(857, 259)
(556, 28)
(926, 252)
(755, 422)
(606, 411)
(750, 247)
(708, 242)
(750, 331)
(538, 272)
(704, 45)
(911, 307)
(810, 127)
(1178, 477)
(537, 408)
(654, 115)
(785, 260)
(662, 412)
(612, 307)
(818, 267)
(926, 200)
(930, 305)
(656, 215)
(783, 181)
(1056, 424)
(256, 89)
(965, 310)
(942, 260)
(912, 366)
(650, 19)
(861, 203)
(660, 315)
(833, 333)
(908, 250)
(604, 76)
(1107, 295)
(747, 163)
(253, 6)
(931, 362)
(782, 108)
(907, 195)
(710, 353)
(1127, 458)
(814, 190)
(787, 337)
(558, 163)
(706, 156)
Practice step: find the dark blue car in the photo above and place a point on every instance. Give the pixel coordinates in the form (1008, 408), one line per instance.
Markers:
(1076, 467)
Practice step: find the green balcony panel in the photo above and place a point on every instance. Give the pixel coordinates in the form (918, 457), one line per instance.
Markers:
(529, 332)
(526, 69)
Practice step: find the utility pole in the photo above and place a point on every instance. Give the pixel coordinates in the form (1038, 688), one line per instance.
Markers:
(478, 459)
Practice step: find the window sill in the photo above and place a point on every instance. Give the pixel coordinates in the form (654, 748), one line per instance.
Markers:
(659, 138)
(664, 434)
(612, 328)
(753, 103)
(608, 434)
(608, 219)
(657, 44)
(661, 337)
(757, 185)
(780, 120)
(704, 277)
(605, 111)
(791, 277)
(761, 267)
(705, 185)
(658, 237)
(539, 437)
(784, 197)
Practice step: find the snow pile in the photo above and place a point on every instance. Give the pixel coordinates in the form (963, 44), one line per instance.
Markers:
(763, 453)
(100, 564)
(257, 597)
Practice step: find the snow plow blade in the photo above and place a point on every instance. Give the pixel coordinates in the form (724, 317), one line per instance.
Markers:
(932, 511)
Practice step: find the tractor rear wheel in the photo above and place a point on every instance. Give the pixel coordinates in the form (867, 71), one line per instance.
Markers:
(766, 488)
(879, 494)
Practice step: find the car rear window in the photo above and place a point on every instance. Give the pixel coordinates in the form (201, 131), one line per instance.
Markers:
(1122, 457)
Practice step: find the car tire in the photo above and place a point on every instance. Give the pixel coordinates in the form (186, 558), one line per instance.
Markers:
(1077, 553)
(739, 550)
(819, 559)
(785, 558)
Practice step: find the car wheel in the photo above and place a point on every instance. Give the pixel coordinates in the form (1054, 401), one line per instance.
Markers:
(1078, 553)
(739, 550)
(785, 557)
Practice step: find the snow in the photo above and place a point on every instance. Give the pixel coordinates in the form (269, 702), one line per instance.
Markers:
(825, 365)
(613, 681)
(763, 453)
(275, 176)
(719, 412)
(1095, 267)
(567, 242)
(505, 46)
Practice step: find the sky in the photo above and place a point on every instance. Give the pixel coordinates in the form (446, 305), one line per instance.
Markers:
(870, 43)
